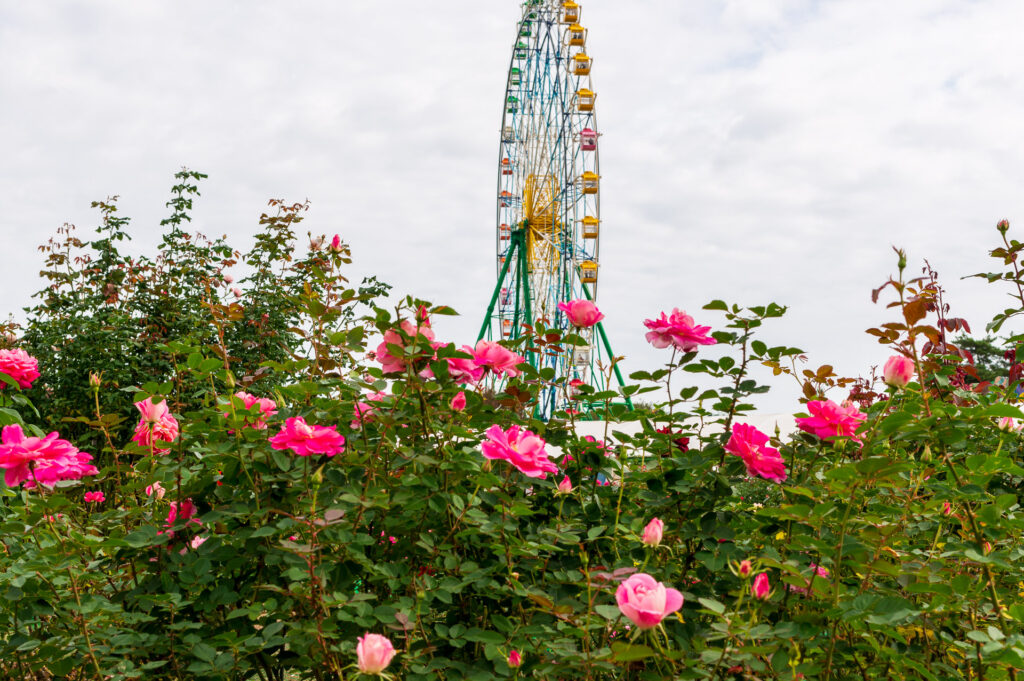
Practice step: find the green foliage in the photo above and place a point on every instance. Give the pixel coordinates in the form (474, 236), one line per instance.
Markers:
(893, 556)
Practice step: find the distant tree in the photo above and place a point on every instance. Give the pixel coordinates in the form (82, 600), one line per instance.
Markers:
(990, 355)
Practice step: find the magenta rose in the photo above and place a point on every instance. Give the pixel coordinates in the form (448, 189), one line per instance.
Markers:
(46, 460)
(155, 425)
(829, 420)
(19, 365)
(521, 448)
(751, 445)
(497, 358)
(646, 601)
(678, 330)
(305, 439)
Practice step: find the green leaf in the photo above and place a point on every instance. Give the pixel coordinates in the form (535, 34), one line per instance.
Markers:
(625, 652)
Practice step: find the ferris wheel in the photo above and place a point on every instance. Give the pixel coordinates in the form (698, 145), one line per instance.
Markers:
(548, 216)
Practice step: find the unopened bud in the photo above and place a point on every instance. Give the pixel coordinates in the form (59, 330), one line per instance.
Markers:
(1003, 226)
(94, 380)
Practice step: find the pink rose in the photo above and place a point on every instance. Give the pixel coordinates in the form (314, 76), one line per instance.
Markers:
(497, 358)
(45, 460)
(391, 364)
(364, 413)
(678, 330)
(745, 569)
(157, 489)
(828, 420)
(514, 659)
(465, 370)
(94, 497)
(156, 425)
(315, 242)
(237, 291)
(581, 313)
(564, 487)
(761, 588)
(898, 371)
(228, 279)
(305, 439)
(459, 402)
(653, 532)
(521, 448)
(374, 653)
(750, 444)
(646, 601)
(19, 365)
(265, 408)
(336, 246)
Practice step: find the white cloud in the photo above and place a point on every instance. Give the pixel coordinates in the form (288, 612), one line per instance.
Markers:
(751, 151)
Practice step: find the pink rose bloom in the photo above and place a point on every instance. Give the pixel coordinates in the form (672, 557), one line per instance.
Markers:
(497, 358)
(828, 420)
(364, 413)
(186, 510)
(745, 569)
(514, 659)
(521, 448)
(564, 487)
(751, 445)
(761, 588)
(679, 330)
(228, 279)
(898, 371)
(646, 601)
(391, 364)
(45, 460)
(305, 439)
(947, 509)
(315, 242)
(157, 489)
(463, 370)
(336, 244)
(19, 365)
(156, 425)
(818, 571)
(265, 408)
(374, 653)
(653, 532)
(237, 291)
(196, 542)
(94, 496)
(459, 402)
(581, 313)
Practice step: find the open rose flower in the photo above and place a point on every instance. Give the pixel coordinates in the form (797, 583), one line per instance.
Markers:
(265, 408)
(156, 425)
(19, 365)
(898, 371)
(751, 445)
(646, 601)
(497, 358)
(581, 313)
(305, 439)
(45, 460)
(391, 364)
(96, 497)
(373, 653)
(828, 420)
(465, 369)
(678, 330)
(521, 448)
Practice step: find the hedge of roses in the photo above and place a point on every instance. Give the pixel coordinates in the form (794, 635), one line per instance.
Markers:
(343, 495)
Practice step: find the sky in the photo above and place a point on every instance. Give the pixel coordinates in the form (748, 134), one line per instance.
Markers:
(753, 151)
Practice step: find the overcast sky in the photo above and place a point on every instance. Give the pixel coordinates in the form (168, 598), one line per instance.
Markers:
(751, 150)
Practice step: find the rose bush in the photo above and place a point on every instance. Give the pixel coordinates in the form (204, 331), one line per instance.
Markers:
(313, 514)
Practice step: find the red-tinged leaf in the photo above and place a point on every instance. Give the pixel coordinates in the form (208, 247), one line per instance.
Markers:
(915, 310)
